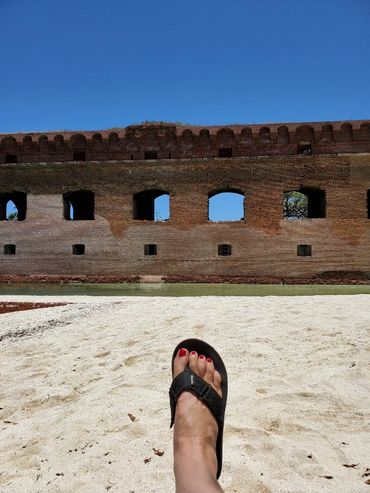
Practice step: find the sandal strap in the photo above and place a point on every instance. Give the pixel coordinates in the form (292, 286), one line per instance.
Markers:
(190, 381)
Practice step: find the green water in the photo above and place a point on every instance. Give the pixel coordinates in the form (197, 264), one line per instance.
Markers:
(180, 289)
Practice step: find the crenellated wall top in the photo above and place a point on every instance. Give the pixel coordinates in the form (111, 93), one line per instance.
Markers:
(174, 141)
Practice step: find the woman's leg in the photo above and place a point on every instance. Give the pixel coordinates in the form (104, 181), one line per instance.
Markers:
(195, 431)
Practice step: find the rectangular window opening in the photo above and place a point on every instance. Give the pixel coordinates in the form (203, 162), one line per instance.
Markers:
(11, 158)
(225, 152)
(79, 156)
(9, 249)
(304, 250)
(150, 249)
(304, 149)
(224, 250)
(151, 155)
(78, 249)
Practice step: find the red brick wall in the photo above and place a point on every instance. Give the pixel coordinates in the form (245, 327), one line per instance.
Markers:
(263, 244)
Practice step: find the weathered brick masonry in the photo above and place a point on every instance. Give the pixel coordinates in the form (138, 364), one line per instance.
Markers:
(260, 161)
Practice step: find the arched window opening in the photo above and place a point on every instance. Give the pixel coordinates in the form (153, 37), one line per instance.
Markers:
(305, 203)
(79, 206)
(226, 206)
(295, 205)
(151, 205)
(162, 207)
(11, 211)
(13, 206)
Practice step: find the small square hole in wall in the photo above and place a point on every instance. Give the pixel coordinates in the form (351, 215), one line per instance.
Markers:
(11, 158)
(79, 156)
(150, 249)
(225, 152)
(224, 250)
(9, 249)
(304, 250)
(151, 155)
(304, 149)
(78, 249)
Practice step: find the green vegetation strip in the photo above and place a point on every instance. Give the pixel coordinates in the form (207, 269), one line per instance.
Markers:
(181, 289)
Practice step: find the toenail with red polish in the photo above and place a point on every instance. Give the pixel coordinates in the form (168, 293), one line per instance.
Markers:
(209, 360)
(193, 352)
(182, 352)
(201, 356)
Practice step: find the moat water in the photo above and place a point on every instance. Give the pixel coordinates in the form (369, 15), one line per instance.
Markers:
(180, 289)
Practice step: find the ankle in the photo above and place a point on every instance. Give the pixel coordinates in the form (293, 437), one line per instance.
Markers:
(195, 466)
(197, 453)
(196, 444)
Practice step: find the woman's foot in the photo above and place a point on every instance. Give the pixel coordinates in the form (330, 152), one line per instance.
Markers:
(195, 430)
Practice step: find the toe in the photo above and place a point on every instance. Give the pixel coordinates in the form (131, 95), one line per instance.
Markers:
(193, 361)
(181, 361)
(212, 376)
(201, 365)
(210, 369)
(217, 382)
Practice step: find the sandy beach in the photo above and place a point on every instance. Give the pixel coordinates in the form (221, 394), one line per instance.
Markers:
(84, 392)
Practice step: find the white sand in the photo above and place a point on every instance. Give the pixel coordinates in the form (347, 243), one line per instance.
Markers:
(298, 407)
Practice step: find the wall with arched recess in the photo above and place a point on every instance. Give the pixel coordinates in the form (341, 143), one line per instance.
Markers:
(189, 164)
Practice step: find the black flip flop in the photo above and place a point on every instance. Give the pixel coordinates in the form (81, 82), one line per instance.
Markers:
(190, 381)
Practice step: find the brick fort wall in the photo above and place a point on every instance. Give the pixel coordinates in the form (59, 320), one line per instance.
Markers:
(189, 163)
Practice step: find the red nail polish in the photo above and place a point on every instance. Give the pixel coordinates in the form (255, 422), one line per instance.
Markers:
(209, 360)
(201, 356)
(182, 352)
(193, 353)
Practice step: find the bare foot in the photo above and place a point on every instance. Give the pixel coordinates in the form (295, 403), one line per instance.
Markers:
(195, 430)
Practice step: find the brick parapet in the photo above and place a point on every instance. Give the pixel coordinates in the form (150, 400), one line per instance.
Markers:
(178, 142)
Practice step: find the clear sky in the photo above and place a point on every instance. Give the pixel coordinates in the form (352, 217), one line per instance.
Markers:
(80, 65)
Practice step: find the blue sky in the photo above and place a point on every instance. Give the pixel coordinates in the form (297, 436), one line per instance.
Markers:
(94, 65)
